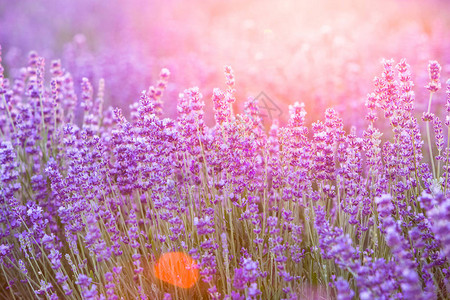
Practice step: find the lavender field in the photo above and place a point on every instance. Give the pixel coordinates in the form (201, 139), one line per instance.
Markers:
(213, 149)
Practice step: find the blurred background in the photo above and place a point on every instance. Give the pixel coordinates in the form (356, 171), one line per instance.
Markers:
(324, 53)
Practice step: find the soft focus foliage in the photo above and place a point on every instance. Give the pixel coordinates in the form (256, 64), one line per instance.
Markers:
(322, 53)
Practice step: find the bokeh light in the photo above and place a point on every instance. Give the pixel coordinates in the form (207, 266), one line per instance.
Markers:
(178, 269)
(323, 53)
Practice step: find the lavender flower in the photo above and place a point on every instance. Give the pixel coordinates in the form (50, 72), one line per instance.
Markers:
(434, 70)
(343, 290)
(87, 203)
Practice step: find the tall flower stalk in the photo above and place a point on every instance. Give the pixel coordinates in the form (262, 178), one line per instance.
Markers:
(309, 209)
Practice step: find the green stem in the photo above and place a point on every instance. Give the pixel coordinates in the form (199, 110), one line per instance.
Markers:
(430, 150)
(7, 281)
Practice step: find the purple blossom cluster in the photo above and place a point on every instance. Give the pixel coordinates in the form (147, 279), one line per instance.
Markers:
(87, 207)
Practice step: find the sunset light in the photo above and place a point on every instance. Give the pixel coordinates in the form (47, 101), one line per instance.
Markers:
(177, 269)
(225, 149)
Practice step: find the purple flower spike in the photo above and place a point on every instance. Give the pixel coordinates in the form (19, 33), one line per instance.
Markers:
(434, 71)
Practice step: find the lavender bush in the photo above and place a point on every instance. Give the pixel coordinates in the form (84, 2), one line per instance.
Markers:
(296, 212)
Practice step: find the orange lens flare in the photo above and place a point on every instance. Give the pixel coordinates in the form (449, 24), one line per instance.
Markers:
(178, 269)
